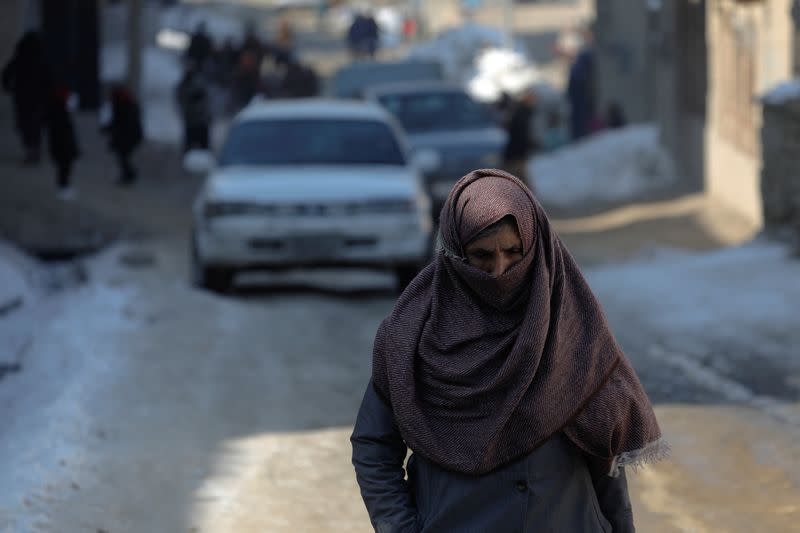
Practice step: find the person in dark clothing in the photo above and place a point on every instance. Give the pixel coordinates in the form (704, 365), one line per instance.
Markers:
(62, 141)
(615, 116)
(298, 81)
(246, 82)
(581, 92)
(200, 47)
(252, 45)
(499, 371)
(363, 36)
(192, 97)
(27, 77)
(521, 140)
(124, 131)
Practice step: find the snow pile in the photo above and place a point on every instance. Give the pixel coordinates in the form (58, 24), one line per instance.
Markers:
(783, 92)
(13, 284)
(744, 296)
(611, 165)
(161, 73)
(179, 22)
(501, 70)
(478, 56)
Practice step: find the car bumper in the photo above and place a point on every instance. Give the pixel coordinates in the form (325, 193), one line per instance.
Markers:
(255, 243)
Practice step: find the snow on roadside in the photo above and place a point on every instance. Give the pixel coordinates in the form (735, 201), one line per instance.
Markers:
(479, 57)
(744, 296)
(47, 406)
(611, 165)
(14, 287)
(18, 300)
(783, 92)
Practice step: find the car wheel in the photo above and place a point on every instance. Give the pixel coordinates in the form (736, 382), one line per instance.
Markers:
(405, 274)
(211, 278)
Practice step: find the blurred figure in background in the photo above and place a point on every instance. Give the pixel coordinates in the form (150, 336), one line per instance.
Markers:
(363, 35)
(27, 77)
(299, 81)
(62, 141)
(555, 134)
(226, 59)
(252, 44)
(246, 82)
(615, 116)
(282, 49)
(200, 47)
(192, 97)
(521, 141)
(581, 89)
(502, 109)
(124, 131)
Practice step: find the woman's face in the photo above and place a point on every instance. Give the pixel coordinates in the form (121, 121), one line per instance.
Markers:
(497, 252)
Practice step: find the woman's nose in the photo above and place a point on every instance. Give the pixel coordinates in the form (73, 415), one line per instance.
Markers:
(501, 264)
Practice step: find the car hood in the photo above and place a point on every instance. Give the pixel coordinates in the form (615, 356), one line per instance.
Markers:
(456, 139)
(312, 183)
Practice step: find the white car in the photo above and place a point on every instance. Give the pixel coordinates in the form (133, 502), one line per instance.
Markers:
(311, 182)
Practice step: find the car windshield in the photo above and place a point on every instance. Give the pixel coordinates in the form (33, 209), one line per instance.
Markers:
(311, 142)
(350, 81)
(431, 111)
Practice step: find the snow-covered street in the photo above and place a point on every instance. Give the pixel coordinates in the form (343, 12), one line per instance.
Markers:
(147, 405)
(131, 401)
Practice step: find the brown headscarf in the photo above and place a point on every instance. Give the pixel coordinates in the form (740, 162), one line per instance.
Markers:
(479, 370)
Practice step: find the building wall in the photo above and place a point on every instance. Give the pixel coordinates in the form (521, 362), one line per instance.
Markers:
(681, 87)
(624, 44)
(750, 49)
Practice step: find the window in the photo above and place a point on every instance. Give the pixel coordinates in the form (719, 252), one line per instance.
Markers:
(311, 142)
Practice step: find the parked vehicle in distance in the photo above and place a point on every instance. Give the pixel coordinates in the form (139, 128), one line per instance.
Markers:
(311, 183)
(352, 80)
(441, 117)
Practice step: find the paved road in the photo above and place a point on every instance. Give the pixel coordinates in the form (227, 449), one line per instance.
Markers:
(171, 409)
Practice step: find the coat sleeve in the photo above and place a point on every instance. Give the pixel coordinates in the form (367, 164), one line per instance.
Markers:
(378, 455)
(612, 495)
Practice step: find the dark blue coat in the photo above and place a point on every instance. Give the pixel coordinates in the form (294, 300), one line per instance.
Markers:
(551, 489)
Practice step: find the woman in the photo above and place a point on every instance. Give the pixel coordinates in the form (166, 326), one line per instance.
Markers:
(27, 77)
(497, 368)
(124, 131)
(62, 140)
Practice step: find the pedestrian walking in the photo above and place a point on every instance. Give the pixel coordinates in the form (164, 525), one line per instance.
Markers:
(298, 81)
(246, 82)
(555, 134)
(615, 116)
(581, 90)
(499, 371)
(192, 97)
(124, 131)
(62, 141)
(521, 140)
(363, 35)
(27, 78)
(201, 48)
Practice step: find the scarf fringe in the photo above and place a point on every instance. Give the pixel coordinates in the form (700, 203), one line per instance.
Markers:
(651, 453)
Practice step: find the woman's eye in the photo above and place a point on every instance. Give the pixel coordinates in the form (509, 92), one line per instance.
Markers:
(516, 251)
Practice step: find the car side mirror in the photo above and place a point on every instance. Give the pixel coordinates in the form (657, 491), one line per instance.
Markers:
(427, 160)
(198, 162)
